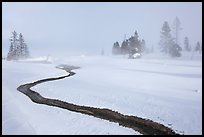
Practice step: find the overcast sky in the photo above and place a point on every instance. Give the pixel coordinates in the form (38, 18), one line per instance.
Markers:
(86, 28)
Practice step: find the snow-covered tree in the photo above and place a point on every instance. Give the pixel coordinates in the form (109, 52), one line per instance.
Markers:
(134, 42)
(129, 46)
(18, 48)
(186, 44)
(21, 46)
(12, 54)
(167, 44)
(24, 52)
(198, 47)
(166, 38)
(116, 48)
(137, 42)
(125, 47)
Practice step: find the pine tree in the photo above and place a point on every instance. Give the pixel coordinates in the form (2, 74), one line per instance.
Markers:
(116, 48)
(13, 54)
(186, 44)
(165, 38)
(143, 45)
(167, 44)
(176, 28)
(198, 47)
(131, 43)
(137, 42)
(134, 42)
(124, 47)
(23, 49)
(21, 45)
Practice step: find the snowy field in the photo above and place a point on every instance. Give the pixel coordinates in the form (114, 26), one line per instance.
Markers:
(168, 91)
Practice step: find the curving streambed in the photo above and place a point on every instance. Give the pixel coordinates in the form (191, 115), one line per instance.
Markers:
(144, 126)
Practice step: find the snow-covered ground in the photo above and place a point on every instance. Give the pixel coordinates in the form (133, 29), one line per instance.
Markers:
(168, 91)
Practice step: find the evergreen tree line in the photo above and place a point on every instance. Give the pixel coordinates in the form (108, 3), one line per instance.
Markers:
(187, 46)
(18, 48)
(129, 46)
(169, 44)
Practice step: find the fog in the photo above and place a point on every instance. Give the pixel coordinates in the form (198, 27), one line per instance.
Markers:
(87, 28)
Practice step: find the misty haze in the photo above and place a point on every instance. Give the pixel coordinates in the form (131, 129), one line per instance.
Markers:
(102, 68)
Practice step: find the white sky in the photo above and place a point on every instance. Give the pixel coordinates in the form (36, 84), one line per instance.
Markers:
(85, 28)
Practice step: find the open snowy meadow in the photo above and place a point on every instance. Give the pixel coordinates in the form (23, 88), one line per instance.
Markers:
(165, 90)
